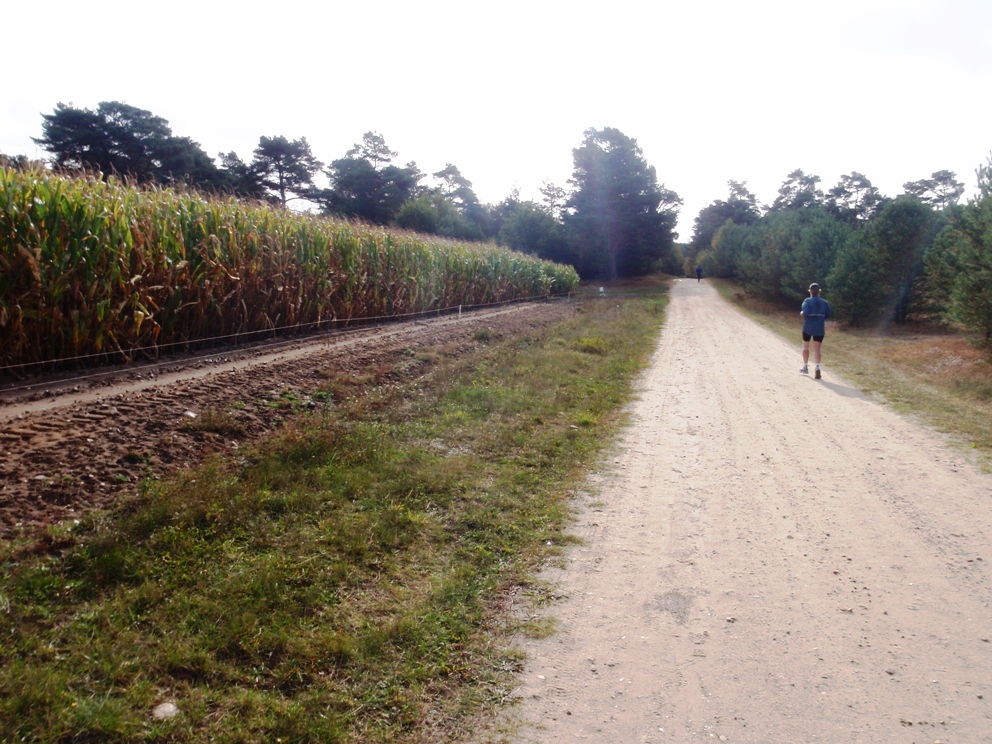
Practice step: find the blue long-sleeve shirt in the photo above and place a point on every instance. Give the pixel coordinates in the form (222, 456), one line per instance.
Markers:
(815, 312)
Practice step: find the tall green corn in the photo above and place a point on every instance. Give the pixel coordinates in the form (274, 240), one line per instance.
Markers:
(99, 269)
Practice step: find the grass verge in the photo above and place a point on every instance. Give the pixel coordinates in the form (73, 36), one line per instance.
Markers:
(341, 583)
(928, 372)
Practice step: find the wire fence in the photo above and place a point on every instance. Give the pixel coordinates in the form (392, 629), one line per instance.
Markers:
(332, 325)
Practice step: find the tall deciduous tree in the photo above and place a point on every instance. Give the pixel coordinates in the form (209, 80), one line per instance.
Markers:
(620, 217)
(530, 228)
(940, 191)
(451, 209)
(435, 213)
(740, 208)
(458, 189)
(118, 138)
(452, 183)
(797, 191)
(244, 180)
(497, 214)
(854, 199)
(373, 149)
(359, 190)
(554, 198)
(875, 270)
(365, 183)
(285, 168)
(963, 263)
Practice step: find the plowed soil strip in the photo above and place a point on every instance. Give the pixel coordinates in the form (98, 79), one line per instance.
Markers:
(63, 454)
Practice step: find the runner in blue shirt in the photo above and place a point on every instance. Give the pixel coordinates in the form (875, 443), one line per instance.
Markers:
(815, 312)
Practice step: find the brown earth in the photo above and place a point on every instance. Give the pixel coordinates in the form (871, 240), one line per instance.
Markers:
(71, 445)
(766, 558)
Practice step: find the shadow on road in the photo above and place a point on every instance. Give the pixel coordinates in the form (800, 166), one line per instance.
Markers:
(844, 390)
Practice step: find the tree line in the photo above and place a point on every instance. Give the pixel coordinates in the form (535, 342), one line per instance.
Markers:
(921, 255)
(614, 218)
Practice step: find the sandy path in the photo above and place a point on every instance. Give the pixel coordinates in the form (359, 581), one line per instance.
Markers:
(771, 559)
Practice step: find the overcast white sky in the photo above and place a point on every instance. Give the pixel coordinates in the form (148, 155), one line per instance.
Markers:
(712, 90)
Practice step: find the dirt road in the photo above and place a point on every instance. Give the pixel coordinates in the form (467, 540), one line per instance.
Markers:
(770, 558)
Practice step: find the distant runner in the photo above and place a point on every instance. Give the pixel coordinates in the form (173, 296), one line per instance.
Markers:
(699, 273)
(815, 312)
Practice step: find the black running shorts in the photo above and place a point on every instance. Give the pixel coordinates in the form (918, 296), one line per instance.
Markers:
(807, 337)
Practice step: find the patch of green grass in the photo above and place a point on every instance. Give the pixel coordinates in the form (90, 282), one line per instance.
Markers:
(133, 457)
(216, 422)
(343, 582)
(926, 372)
(592, 346)
(538, 628)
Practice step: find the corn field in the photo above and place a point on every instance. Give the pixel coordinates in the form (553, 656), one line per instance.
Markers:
(97, 270)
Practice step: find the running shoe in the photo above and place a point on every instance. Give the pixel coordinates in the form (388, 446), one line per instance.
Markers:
(816, 373)
(804, 369)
